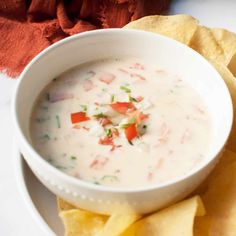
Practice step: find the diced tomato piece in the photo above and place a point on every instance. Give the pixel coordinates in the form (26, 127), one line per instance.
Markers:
(104, 121)
(106, 141)
(79, 117)
(107, 78)
(131, 132)
(123, 107)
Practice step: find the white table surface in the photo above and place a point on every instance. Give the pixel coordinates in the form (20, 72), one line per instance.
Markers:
(15, 220)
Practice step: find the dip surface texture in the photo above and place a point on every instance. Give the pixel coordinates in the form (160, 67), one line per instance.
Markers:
(121, 122)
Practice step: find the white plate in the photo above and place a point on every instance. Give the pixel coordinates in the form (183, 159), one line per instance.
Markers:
(42, 203)
(39, 200)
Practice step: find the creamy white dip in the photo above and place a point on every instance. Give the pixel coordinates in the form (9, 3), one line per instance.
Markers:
(121, 122)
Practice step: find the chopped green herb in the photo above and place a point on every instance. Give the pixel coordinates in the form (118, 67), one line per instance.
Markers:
(104, 90)
(84, 107)
(124, 88)
(45, 136)
(58, 122)
(110, 177)
(108, 132)
(100, 115)
(96, 182)
(112, 98)
(42, 119)
(60, 167)
(131, 99)
(73, 158)
(132, 120)
(124, 126)
(144, 126)
(131, 143)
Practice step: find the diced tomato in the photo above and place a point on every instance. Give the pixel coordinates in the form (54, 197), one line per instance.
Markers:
(106, 141)
(123, 107)
(107, 78)
(104, 121)
(79, 117)
(131, 132)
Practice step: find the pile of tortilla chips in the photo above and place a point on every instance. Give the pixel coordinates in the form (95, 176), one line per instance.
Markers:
(212, 211)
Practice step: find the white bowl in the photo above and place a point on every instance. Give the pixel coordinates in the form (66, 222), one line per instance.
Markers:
(166, 53)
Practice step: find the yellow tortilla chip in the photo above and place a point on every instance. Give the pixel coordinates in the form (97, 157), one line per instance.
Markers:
(230, 81)
(178, 27)
(227, 41)
(220, 200)
(82, 223)
(117, 224)
(62, 205)
(204, 42)
(232, 65)
(175, 220)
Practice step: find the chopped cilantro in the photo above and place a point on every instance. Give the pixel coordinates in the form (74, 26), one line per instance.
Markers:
(100, 115)
(73, 158)
(112, 98)
(124, 88)
(112, 178)
(84, 107)
(131, 99)
(108, 132)
(58, 122)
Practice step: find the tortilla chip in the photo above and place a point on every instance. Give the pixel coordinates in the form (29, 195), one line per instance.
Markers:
(204, 42)
(227, 41)
(82, 223)
(230, 81)
(117, 224)
(176, 220)
(62, 205)
(178, 27)
(232, 65)
(220, 200)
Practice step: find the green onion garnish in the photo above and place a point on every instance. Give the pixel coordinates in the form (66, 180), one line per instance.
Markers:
(131, 99)
(100, 115)
(73, 158)
(58, 122)
(112, 98)
(108, 132)
(84, 107)
(45, 136)
(110, 177)
(124, 88)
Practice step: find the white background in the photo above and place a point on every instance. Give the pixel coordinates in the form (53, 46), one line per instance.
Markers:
(15, 220)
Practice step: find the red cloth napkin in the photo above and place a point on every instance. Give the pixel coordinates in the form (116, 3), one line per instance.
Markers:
(27, 27)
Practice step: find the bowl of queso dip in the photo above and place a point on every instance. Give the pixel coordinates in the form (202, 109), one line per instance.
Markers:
(121, 119)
